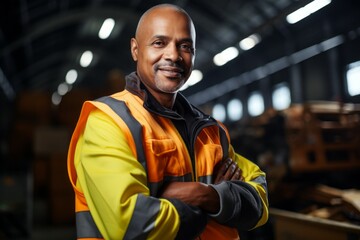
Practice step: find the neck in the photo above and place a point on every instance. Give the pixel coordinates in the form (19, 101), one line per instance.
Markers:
(166, 100)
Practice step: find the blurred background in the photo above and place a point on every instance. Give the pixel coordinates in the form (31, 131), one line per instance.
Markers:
(283, 75)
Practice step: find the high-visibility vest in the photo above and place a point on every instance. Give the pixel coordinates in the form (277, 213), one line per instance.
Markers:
(137, 125)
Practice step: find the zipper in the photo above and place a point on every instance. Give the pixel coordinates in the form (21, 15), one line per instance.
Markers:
(198, 127)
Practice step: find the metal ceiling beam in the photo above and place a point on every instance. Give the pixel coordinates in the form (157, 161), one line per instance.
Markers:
(66, 18)
(6, 86)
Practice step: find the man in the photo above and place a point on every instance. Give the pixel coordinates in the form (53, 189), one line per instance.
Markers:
(146, 164)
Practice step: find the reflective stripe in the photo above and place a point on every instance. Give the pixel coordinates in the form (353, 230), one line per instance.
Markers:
(224, 142)
(156, 186)
(206, 179)
(261, 180)
(85, 226)
(185, 178)
(143, 218)
(120, 108)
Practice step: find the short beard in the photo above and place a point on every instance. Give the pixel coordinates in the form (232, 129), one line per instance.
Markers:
(162, 87)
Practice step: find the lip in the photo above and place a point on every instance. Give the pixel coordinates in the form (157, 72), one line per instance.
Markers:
(171, 72)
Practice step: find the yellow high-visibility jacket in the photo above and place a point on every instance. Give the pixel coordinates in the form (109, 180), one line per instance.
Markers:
(126, 146)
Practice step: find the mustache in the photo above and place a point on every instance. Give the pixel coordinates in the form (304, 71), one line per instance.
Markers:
(174, 65)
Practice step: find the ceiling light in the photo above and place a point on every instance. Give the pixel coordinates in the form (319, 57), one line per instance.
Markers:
(106, 28)
(63, 88)
(352, 79)
(305, 11)
(195, 77)
(249, 42)
(226, 56)
(86, 58)
(56, 98)
(71, 76)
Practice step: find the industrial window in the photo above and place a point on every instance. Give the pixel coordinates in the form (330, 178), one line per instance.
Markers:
(255, 104)
(235, 109)
(353, 78)
(219, 112)
(281, 98)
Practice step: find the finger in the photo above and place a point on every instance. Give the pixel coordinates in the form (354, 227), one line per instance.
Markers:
(230, 171)
(241, 175)
(222, 168)
(237, 175)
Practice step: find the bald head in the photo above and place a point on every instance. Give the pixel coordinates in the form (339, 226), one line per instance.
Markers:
(158, 11)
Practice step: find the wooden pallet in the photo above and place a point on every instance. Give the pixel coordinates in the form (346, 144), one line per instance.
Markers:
(323, 136)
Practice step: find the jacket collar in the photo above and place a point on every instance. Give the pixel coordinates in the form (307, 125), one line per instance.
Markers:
(181, 106)
(133, 85)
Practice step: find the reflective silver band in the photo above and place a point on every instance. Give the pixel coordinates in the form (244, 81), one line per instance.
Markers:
(85, 226)
(143, 218)
(120, 108)
(261, 180)
(206, 179)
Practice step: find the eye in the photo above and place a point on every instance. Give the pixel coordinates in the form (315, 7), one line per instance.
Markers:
(187, 47)
(158, 43)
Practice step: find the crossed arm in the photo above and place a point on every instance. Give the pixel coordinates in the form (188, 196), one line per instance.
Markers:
(202, 195)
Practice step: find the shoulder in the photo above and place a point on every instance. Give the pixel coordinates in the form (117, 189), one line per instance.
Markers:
(101, 127)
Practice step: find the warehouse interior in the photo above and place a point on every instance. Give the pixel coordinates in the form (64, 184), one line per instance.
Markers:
(287, 88)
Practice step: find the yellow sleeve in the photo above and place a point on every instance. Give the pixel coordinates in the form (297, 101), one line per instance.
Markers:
(254, 176)
(113, 181)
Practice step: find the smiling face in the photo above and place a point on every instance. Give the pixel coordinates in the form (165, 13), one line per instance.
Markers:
(164, 51)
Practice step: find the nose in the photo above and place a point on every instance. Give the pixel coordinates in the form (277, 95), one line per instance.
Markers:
(172, 53)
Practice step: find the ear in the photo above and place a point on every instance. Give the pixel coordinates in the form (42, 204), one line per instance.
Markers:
(134, 49)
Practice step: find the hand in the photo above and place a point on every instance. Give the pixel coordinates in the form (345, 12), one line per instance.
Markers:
(227, 170)
(193, 193)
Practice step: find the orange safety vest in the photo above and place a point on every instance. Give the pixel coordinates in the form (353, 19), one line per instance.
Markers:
(142, 129)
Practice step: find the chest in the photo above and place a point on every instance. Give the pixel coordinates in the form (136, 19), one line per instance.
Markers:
(168, 157)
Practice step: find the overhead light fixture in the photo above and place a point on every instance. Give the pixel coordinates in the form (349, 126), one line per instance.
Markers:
(106, 28)
(226, 56)
(63, 88)
(249, 42)
(56, 98)
(305, 11)
(71, 76)
(195, 77)
(86, 58)
(352, 78)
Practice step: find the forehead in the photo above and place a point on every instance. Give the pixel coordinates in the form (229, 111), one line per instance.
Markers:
(166, 21)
